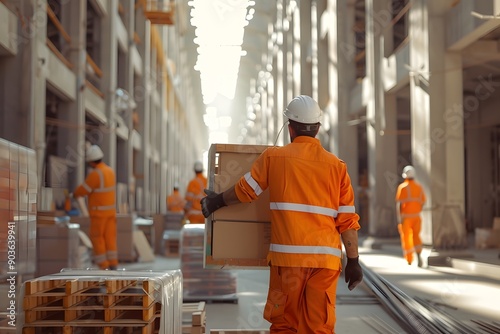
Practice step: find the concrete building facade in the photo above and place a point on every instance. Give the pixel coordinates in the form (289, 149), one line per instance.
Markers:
(400, 82)
(101, 72)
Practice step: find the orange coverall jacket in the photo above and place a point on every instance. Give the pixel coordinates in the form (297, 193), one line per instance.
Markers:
(100, 186)
(175, 202)
(194, 194)
(411, 197)
(311, 202)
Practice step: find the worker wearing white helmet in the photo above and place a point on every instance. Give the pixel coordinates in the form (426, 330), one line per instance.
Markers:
(410, 199)
(100, 187)
(312, 214)
(194, 193)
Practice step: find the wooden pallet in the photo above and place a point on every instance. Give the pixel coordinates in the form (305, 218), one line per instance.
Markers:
(193, 318)
(73, 306)
(92, 329)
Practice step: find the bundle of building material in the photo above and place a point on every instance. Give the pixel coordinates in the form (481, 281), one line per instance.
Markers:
(201, 283)
(193, 318)
(62, 246)
(86, 301)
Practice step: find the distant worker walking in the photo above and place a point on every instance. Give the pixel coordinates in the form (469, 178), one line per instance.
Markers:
(175, 202)
(194, 194)
(410, 199)
(100, 187)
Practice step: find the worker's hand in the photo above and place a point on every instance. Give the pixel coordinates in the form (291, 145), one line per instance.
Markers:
(353, 273)
(211, 203)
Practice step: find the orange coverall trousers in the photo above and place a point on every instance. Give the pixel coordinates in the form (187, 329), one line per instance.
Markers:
(409, 231)
(301, 300)
(103, 237)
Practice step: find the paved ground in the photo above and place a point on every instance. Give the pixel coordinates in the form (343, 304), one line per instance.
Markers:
(464, 282)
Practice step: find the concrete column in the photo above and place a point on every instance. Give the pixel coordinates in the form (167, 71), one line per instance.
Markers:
(305, 48)
(437, 141)
(296, 53)
(389, 173)
(109, 56)
(279, 85)
(38, 86)
(342, 75)
(143, 107)
(380, 157)
(127, 153)
(73, 138)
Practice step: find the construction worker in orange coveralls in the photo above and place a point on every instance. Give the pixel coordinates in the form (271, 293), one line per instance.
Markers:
(194, 193)
(100, 187)
(312, 214)
(410, 199)
(175, 202)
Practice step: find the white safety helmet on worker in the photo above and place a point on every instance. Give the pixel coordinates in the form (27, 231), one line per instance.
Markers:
(94, 153)
(408, 172)
(198, 167)
(303, 109)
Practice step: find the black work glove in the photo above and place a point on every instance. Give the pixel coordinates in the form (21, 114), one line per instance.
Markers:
(211, 203)
(353, 273)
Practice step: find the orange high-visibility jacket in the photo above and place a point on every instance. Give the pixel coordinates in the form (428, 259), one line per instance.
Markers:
(411, 197)
(100, 186)
(175, 202)
(311, 202)
(194, 194)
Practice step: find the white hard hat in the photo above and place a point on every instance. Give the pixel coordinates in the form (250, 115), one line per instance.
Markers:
(176, 185)
(303, 109)
(198, 166)
(94, 153)
(408, 172)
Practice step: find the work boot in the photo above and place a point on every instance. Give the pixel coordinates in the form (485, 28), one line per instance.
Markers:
(420, 262)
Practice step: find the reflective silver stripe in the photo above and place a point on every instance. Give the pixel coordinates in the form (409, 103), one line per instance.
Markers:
(101, 179)
(410, 215)
(347, 209)
(104, 190)
(103, 207)
(86, 187)
(195, 212)
(303, 208)
(305, 249)
(253, 184)
(412, 199)
(100, 258)
(112, 255)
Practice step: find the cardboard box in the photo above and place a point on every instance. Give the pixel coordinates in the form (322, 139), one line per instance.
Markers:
(237, 236)
(242, 240)
(487, 238)
(229, 163)
(496, 223)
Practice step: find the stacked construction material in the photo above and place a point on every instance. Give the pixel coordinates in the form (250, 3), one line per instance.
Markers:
(91, 301)
(18, 205)
(193, 318)
(200, 283)
(62, 246)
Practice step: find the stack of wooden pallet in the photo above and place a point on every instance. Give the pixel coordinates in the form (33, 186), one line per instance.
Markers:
(193, 318)
(103, 303)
